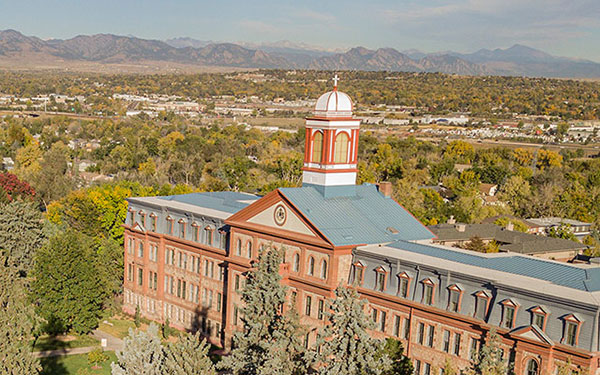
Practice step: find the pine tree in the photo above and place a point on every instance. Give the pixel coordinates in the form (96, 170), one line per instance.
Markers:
(188, 356)
(137, 317)
(69, 287)
(400, 364)
(489, 360)
(271, 343)
(346, 347)
(16, 317)
(21, 233)
(142, 355)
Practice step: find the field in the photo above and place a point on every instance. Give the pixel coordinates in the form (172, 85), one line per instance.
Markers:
(76, 364)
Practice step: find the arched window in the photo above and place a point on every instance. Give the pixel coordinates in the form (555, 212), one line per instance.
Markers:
(532, 367)
(323, 269)
(208, 234)
(317, 147)
(296, 262)
(249, 250)
(311, 266)
(238, 248)
(341, 148)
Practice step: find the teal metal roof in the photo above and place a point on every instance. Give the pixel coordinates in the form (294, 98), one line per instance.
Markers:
(571, 276)
(356, 215)
(226, 201)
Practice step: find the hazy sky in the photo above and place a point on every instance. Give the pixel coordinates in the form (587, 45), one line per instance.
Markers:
(561, 27)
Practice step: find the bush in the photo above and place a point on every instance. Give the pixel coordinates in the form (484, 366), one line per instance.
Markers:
(96, 357)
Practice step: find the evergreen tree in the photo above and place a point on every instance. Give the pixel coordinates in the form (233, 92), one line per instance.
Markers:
(400, 364)
(142, 355)
(21, 233)
(271, 343)
(69, 287)
(346, 347)
(489, 360)
(188, 356)
(16, 317)
(137, 317)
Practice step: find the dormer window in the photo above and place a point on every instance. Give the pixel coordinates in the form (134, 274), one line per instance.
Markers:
(482, 300)
(428, 292)
(317, 147)
(380, 279)
(208, 235)
(181, 223)
(153, 222)
(196, 231)
(131, 217)
(454, 297)
(509, 312)
(358, 272)
(572, 326)
(169, 225)
(539, 316)
(143, 218)
(403, 284)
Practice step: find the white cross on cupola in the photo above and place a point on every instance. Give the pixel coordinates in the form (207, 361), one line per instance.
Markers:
(335, 81)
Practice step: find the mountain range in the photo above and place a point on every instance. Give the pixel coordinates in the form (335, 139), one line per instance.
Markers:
(114, 49)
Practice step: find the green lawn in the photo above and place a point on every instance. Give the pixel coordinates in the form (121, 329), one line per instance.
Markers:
(70, 365)
(119, 328)
(50, 343)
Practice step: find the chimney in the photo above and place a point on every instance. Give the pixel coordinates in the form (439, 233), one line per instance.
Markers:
(385, 188)
(461, 227)
(510, 226)
(451, 220)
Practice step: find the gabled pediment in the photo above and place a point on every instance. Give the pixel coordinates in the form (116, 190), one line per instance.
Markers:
(533, 333)
(139, 228)
(273, 214)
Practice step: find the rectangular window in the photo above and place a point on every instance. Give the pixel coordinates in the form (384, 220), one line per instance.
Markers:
(219, 297)
(382, 321)
(140, 276)
(210, 299)
(150, 279)
(430, 335)
(457, 344)
(405, 328)
(380, 282)
(237, 282)
(397, 321)
(571, 338)
(183, 288)
(181, 229)
(223, 241)
(221, 273)
(308, 305)
(185, 261)
(358, 274)
(474, 348)
(141, 249)
(509, 314)
(198, 262)
(129, 272)
(178, 288)
(421, 333)
(374, 315)
(205, 267)
(538, 320)
(417, 367)
(196, 234)
(454, 298)
(130, 248)
(427, 369)
(480, 308)
(403, 288)
(428, 294)
(446, 343)
(320, 309)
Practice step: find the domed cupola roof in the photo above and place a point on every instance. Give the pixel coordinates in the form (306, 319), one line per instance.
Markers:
(334, 104)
